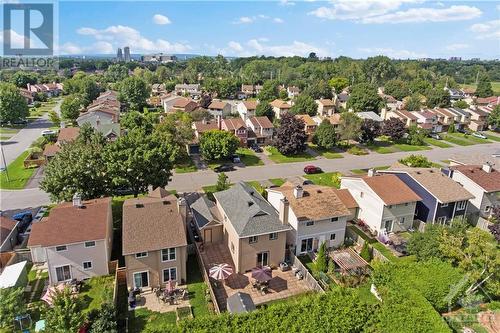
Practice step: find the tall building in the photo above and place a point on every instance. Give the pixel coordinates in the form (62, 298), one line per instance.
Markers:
(126, 51)
(119, 55)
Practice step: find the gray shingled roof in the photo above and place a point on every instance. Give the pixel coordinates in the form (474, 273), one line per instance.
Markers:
(249, 213)
(201, 211)
(240, 303)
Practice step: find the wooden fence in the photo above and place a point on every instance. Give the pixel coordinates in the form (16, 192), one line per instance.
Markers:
(201, 265)
(361, 242)
(308, 278)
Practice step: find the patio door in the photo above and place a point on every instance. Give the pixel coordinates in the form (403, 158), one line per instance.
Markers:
(263, 259)
(306, 245)
(63, 273)
(207, 235)
(141, 279)
(388, 225)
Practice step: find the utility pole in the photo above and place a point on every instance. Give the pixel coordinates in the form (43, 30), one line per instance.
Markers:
(4, 163)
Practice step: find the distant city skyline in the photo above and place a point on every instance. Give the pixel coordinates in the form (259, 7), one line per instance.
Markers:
(397, 28)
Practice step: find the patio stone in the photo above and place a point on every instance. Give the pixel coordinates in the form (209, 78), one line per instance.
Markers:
(149, 301)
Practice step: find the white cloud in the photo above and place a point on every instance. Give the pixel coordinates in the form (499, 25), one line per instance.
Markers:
(453, 13)
(262, 47)
(457, 46)
(16, 40)
(392, 53)
(244, 20)
(161, 19)
(278, 20)
(119, 36)
(286, 3)
(100, 47)
(235, 46)
(252, 19)
(487, 30)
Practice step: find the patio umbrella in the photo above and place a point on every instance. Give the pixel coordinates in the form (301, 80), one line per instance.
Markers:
(262, 274)
(221, 272)
(51, 293)
(170, 287)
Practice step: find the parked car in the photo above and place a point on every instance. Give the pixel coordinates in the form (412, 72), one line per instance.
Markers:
(435, 136)
(309, 169)
(48, 132)
(479, 135)
(224, 168)
(256, 148)
(21, 215)
(20, 122)
(462, 130)
(236, 158)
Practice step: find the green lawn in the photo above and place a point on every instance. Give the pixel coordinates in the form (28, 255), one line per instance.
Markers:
(495, 85)
(382, 147)
(18, 175)
(32, 279)
(277, 157)
(358, 171)
(197, 288)
(97, 290)
(210, 190)
(492, 136)
(186, 166)
(407, 147)
(144, 320)
(478, 140)
(331, 179)
(461, 141)
(326, 153)
(437, 143)
(248, 157)
(7, 132)
(277, 181)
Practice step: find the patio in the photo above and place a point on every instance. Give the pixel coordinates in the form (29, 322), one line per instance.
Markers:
(282, 285)
(149, 301)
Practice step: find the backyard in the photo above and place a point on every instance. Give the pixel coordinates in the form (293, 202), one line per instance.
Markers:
(97, 290)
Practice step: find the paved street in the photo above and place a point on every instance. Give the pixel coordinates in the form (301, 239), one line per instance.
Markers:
(195, 180)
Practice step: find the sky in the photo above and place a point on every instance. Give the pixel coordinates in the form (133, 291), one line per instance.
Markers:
(396, 28)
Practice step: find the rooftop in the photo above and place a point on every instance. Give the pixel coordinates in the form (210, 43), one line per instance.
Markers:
(306, 119)
(489, 181)
(262, 122)
(6, 227)
(391, 189)
(68, 134)
(204, 211)
(250, 105)
(234, 123)
(280, 104)
(217, 105)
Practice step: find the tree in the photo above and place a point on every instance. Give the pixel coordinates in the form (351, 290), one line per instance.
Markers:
(495, 230)
(116, 73)
(137, 161)
(425, 245)
(264, 109)
(65, 314)
(218, 145)
(419, 86)
(200, 114)
(483, 88)
(350, 126)
(451, 128)
(365, 252)
(438, 98)
(12, 104)
(70, 107)
(290, 137)
(370, 129)
(461, 104)
(22, 78)
(338, 83)
(304, 104)
(325, 136)
(103, 320)
(176, 130)
(222, 182)
(133, 93)
(364, 97)
(321, 262)
(416, 161)
(416, 135)
(319, 89)
(83, 85)
(494, 118)
(77, 168)
(11, 305)
(135, 119)
(283, 94)
(379, 69)
(414, 102)
(205, 101)
(397, 89)
(269, 92)
(394, 128)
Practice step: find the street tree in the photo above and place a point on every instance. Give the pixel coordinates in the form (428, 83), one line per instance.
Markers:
(370, 129)
(364, 97)
(54, 118)
(70, 107)
(350, 126)
(484, 88)
(264, 109)
(12, 104)
(218, 145)
(416, 135)
(394, 128)
(290, 137)
(133, 93)
(325, 136)
(222, 182)
(304, 104)
(176, 130)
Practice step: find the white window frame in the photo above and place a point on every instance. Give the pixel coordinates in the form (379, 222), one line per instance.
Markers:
(61, 246)
(441, 220)
(70, 273)
(140, 272)
(461, 205)
(334, 236)
(401, 220)
(140, 255)
(89, 268)
(91, 242)
(169, 254)
(253, 239)
(169, 269)
(273, 236)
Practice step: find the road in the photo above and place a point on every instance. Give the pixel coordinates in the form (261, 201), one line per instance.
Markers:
(195, 180)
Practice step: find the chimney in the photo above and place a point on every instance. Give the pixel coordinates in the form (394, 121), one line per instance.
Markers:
(98, 121)
(77, 200)
(371, 172)
(298, 192)
(219, 121)
(487, 167)
(182, 209)
(383, 113)
(283, 210)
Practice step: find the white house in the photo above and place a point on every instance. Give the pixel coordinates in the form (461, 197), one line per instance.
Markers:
(246, 109)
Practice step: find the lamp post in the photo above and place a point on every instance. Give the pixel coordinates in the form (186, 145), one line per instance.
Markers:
(4, 164)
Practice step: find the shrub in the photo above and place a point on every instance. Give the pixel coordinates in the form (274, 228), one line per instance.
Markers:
(354, 150)
(365, 252)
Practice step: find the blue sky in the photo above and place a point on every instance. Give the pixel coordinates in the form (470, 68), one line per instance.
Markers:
(396, 28)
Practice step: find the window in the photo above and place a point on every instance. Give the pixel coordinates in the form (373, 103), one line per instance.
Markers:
(309, 223)
(390, 206)
(170, 274)
(253, 239)
(168, 254)
(461, 205)
(444, 205)
(360, 194)
(406, 204)
(61, 248)
(332, 237)
(334, 219)
(87, 265)
(441, 220)
(273, 236)
(141, 255)
(402, 220)
(141, 279)
(90, 244)
(63, 273)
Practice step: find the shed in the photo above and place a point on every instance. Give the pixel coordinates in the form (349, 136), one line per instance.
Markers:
(240, 303)
(14, 275)
(348, 260)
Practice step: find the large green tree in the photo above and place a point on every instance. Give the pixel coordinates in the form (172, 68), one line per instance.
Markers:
(397, 89)
(176, 130)
(483, 88)
(438, 97)
(11, 305)
(304, 104)
(416, 135)
(494, 118)
(338, 83)
(264, 109)
(218, 145)
(350, 126)
(65, 314)
(22, 78)
(319, 89)
(290, 136)
(12, 104)
(70, 107)
(269, 92)
(364, 97)
(133, 93)
(379, 69)
(83, 85)
(325, 135)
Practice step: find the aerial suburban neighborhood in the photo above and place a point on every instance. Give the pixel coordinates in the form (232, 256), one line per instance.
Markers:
(204, 185)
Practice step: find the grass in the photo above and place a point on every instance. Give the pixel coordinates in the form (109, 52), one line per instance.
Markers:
(277, 157)
(365, 294)
(186, 166)
(197, 288)
(210, 190)
(354, 150)
(437, 143)
(96, 291)
(382, 147)
(307, 261)
(477, 140)
(495, 85)
(326, 153)
(144, 320)
(32, 279)
(331, 179)
(277, 181)
(492, 136)
(457, 140)
(256, 185)
(358, 171)
(407, 147)
(385, 251)
(18, 175)
(248, 157)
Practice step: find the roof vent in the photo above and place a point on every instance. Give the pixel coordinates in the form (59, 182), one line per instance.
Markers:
(166, 202)
(250, 203)
(139, 205)
(319, 191)
(487, 167)
(77, 200)
(298, 192)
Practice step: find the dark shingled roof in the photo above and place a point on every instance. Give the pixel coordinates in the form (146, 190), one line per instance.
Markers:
(240, 303)
(203, 211)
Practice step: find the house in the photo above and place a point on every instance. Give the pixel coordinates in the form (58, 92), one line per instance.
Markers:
(193, 90)
(483, 181)
(468, 158)
(280, 107)
(154, 242)
(203, 126)
(468, 91)
(105, 109)
(183, 104)
(66, 134)
(326, 107)
(445, 118)
(158, 88)
(219, 108)
(462, 117)
(428, 121)
(315, 213)
(491, 101)
(442, 198)
(75, 240)
(28, 95)
(236, 126)
(369, 115)
(252, 230)
(263, 129)
(386, 204)
(207, 220)
(455, 94)
(246, 109)
(8, 234)
(405, 116)
(478, 119)
(292, 92)
(248, 90)
(110, 132)
(48, 89)
(309, 124)
(341, 99)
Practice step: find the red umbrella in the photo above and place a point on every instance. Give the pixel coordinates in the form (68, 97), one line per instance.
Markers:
(221, 272)
(170, 287)
(262, 274)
